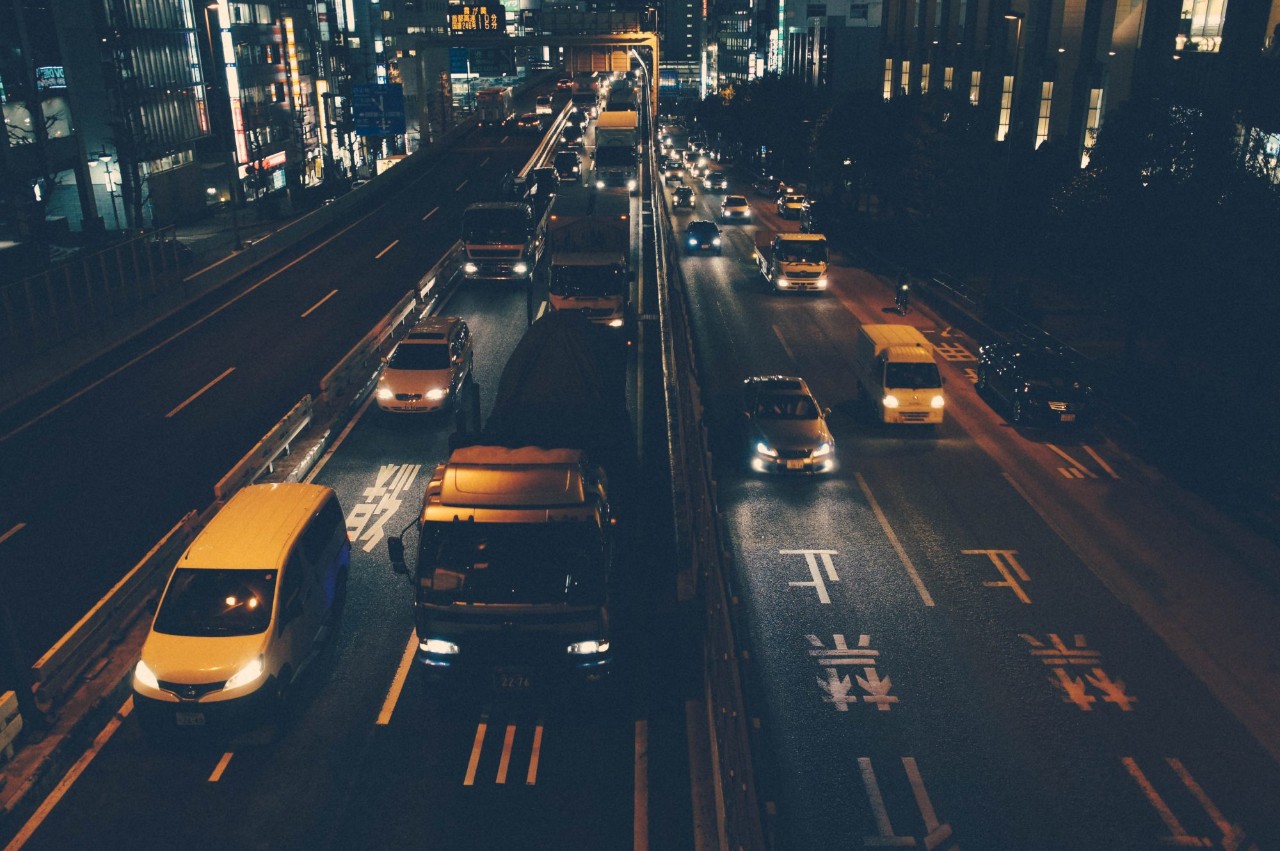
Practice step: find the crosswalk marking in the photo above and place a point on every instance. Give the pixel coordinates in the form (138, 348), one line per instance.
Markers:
(954, 352)
(474, 762)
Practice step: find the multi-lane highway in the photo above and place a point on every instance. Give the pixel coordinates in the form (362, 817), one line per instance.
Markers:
(954, 634)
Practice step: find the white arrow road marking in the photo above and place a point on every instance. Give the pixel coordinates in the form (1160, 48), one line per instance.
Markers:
(196, 395)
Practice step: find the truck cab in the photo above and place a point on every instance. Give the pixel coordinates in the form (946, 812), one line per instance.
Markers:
(795, 262)
(502, 239)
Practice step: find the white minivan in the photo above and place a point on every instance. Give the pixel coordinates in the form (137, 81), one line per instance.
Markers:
(247, 608)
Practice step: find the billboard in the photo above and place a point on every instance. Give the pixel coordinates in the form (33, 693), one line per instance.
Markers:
(486, 18)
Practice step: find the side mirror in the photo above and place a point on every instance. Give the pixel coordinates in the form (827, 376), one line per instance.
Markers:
(826, 412)
(395, 549)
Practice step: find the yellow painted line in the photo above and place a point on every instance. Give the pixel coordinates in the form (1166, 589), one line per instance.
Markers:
(222, 766)
(532, 777)
(1073, 462)
(318, 303)
(46, 807)
(199, 392)
(640, 824)
(470, 778)
(17, 527)
(505, 762)
(1166, 814)
(429, 215)
(893, 539)
(1103, 464)
(1219, 821)
(397, 684)
(393, 244)
(158, 346)
(877, 800)
(460, 185)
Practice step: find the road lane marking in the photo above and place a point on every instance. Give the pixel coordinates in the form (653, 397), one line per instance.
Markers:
(532, 777)
(640, 824)
(110, 375)
(470, 778)
(1176, 830)
(318, 303)
(1006, 562)
(877, 800)
(1229, 831)
(222, 766)
(393, 244)
(937, 831)
(1103, 464)
(504, 140)
(893, 539)
(46, 807)
(397, 684)
(429, 215)
(778, 333)
(1073, 462)
(485, 162)
(460, 185)
(504, 762)
(197, 394)
(17, 527)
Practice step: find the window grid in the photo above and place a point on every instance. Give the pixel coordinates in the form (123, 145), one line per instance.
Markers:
(1006, 108)
(1046, 104)
(947, 77)
(924, 79)
(888, 79)
(975, 87)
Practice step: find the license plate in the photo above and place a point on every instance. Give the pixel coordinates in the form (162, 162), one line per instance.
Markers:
(1067, 418)
(190, 719)
(795, 465)
(512, 682)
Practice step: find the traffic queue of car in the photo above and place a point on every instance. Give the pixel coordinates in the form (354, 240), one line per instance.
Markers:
(786, 430)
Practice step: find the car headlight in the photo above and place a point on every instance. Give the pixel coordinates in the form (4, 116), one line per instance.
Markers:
(782, 282)
(587, 648)
(615, 323)
(145, 675)
(715, 241)
(890, 401)
(766, 450)
(937, 401)
(470, 268)
(599, 184)
(520, 268)
(249, 673)
(435, 394)
(822, 283)
(693, 241)
(822, 450)
(385, 393)
(438, 646)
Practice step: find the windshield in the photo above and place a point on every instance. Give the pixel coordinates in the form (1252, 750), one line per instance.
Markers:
(735, 201)
(615, 155)
(495, 225)
(913, 375)
(814, 251)
(217, 602)
(420, 356)
(512, 563)
(598, 281)
(786, 407)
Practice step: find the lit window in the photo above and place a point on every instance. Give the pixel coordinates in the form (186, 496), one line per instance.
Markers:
(947, 77)
(1042, 123)
(1201, 26)
(906, 77)
(1006, 108)
(1092, 124)
(975, 87)
(924, 79)
(888, 79)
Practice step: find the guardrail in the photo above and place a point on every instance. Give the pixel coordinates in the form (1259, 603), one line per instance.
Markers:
(10, 724)
(102, 626)
(701, 539)
(261, 458)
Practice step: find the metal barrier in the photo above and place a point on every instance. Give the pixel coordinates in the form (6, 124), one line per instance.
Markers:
(56, 670)
(700, 539)
(10, 724)
(261, 457)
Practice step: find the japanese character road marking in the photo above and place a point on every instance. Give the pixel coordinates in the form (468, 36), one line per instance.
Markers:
(1233, 837)
(936, 833)
(811, 558)
(1007, 563)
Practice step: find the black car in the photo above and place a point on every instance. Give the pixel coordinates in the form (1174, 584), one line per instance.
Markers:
(702, 236)
(568, 165)
(571, 137)
(682, 197)
(1040, 384)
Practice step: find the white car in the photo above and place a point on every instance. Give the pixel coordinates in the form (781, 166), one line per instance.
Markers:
(426, 370)
(790, 205)
(735, 208)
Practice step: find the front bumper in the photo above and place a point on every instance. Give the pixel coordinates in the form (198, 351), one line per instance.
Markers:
(163, 710)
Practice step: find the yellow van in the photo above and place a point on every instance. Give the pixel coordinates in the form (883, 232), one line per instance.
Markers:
(247, 607)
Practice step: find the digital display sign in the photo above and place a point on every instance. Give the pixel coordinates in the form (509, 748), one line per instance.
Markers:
(50, 77)
(476, 19)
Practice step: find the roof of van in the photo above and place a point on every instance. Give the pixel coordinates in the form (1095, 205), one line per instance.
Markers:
(801, 237)
(256, 526)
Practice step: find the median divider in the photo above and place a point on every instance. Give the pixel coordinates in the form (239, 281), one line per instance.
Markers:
(261, 458)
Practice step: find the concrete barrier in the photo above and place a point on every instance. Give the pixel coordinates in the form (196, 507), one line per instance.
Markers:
(88, 640)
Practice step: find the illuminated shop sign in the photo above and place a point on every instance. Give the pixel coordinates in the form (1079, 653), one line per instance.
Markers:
(50, 77)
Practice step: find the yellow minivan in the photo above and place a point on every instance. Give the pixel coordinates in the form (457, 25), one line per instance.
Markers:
(247, 608)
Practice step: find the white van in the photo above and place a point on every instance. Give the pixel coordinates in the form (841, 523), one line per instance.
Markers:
(247, 607)
(896, 370)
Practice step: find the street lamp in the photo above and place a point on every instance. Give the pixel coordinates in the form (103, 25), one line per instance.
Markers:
(105, 159)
